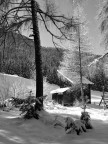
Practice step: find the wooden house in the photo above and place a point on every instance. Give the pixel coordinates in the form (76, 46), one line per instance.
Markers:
(59, 94)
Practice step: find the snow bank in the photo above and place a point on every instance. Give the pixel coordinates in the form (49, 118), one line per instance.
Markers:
(96, 112)
(16, 130)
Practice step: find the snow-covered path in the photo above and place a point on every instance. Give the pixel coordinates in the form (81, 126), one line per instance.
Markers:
(99, 135)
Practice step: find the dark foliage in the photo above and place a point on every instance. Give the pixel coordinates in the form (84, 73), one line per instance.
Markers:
(31, 107)
(17, 101)
(29, 111)
(51, 58)
(85, 117)
(2, 105)
(53, 78)
(76, 126)
(98, 73)
(18, 64)
(17, 56)
(54, 63)
(21, 67)
(73, 94)
(99, 82)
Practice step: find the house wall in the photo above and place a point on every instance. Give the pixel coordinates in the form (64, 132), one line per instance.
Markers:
(57, 97)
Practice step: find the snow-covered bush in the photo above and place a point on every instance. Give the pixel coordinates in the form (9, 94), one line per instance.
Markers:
(17, 101)
(85, 118)
(70, 126)
(28, 111)
(76, 126)
(31, 107)
(79, 126)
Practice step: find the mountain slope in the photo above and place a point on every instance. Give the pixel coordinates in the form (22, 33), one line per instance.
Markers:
(16, 49)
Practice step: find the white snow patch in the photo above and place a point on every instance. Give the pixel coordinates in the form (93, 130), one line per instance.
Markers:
(15, 130)
(96, 112)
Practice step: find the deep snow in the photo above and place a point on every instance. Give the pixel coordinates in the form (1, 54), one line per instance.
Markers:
(14, 130)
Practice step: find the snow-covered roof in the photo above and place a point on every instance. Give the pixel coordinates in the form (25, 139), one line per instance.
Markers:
(59, 90)
(84, 80)
(97, 59)
(75, 79)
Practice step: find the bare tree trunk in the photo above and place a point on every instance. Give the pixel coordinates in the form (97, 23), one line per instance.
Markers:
(81, 82)
(103, 78)
(38, 59)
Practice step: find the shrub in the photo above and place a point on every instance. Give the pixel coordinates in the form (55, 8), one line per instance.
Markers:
(31, 107)
(76, 126)
(29, 111)
(85, 117)
(17, 101)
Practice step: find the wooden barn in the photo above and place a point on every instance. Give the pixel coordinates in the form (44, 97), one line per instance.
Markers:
(59, 94)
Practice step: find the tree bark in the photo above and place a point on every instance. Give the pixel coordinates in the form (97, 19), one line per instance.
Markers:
(81, 82)
(38, 59)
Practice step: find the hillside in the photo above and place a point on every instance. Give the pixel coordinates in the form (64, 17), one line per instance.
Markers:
(17, 53)
(98, 71)
(17, 57)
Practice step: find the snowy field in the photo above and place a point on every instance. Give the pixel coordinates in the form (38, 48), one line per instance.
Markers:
(14, 130)
(95, 96)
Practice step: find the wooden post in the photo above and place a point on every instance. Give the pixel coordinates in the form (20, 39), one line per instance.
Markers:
(89, 88)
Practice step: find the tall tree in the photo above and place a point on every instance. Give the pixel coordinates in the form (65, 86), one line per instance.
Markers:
(103, 21)
(15, 14)
(38, 59)
(73, 64)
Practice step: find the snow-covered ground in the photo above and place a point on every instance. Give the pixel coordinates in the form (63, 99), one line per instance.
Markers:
(14, 130)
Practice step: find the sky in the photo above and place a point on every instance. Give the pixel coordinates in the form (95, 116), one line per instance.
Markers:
(90, 10)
